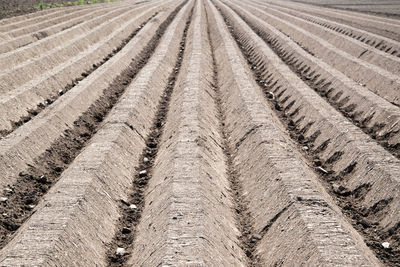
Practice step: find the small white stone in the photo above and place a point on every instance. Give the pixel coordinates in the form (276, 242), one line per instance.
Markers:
(322, 170)
(143, 173)
(7, 189)
(3, 199)
(132, 207)
(385, 244)
(120, 252)
(145, 160)
(305, 148)
(5, 214)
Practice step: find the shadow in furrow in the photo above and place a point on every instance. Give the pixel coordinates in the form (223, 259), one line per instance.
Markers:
(18, 201)
(248, 238)
(364, 220)
(131, 210)
(50, 100)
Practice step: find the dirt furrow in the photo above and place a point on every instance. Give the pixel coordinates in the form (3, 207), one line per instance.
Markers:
(35, 138)
(294, 218)
(248, 238)
(91, 188)
(12, 26)
(30, 18)
(40, 27)
(338, 41)
(188, 190)
(32, 97)
(379, 42)
(32, 66)
(373, 114)
(375, 24)
(361, 176)
(376, 79)
(131, 209)
(27, 39)
(33, 51)
(34, 182)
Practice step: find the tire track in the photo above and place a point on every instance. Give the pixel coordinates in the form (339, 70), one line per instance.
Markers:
(352, 100)
(24, 195)
(368, 212)
(130, 217)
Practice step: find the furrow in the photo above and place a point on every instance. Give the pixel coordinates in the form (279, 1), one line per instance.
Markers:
(90, 189)
(33, 51)
(12, 26)
(247, 237)
(372, 24)
(30, 18)
(379, 42)
(27, 39)
(48, 143)
(38, 61)
(187, 192)
(36, 28)
(131, 208)
(359, 174)
(294, 219)
(27, 100)
(376, 79)
(373, 114)
(346, 44)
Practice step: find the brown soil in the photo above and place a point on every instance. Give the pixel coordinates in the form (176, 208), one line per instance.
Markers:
(364, 220)
(40, 177)
(130, 218)
(286, 159)
(21, 7)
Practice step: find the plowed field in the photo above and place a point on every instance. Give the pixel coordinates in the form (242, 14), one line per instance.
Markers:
(200, 133)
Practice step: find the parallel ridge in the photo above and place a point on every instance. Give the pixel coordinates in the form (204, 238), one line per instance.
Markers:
(376, 116)
(294, 218)
(188, 189)
(376, 24)
(40, 82)
(380, 81)
(26, 39)
(379, 42)
(359, 174)
(45, 145)
(88, 191)
(346, 44)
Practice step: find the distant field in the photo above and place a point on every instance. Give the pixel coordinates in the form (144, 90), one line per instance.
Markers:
(387, 8)
(9, 8)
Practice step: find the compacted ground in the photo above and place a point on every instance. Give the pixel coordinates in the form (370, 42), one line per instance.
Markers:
(199, 133)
